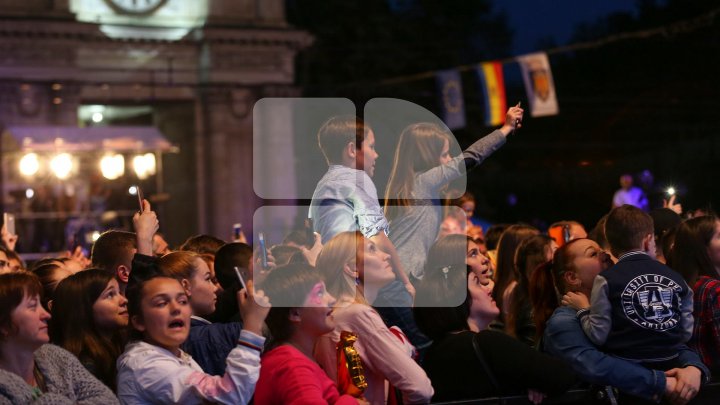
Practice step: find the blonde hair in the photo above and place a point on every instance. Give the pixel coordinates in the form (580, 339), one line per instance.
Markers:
(344, 248)
(418, 150)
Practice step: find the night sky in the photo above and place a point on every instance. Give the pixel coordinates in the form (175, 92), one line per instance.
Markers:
(646, 102)
(535, 19)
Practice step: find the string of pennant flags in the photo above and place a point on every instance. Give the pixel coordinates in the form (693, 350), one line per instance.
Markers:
(536, 73)
(539, 87)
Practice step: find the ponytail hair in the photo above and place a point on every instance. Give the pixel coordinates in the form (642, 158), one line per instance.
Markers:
(546, 286)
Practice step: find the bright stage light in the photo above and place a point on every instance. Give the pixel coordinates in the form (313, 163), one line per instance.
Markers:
(144, 165)
(97, 117)
(29, 164)
(112, 166)
(61, 165)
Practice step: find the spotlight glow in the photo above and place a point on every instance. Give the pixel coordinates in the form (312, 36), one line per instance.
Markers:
(97, 117)
(61, 165)
(29, 193)
(29, 164)
(144, 165)
(112, 166)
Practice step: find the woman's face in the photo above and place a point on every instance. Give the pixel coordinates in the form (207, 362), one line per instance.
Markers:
(714, 247)
(445, 157)
(165, 314)
(478, 262)
(29, 320)
(110, 309)
(316, 314)
(202, 289)
(483, 306)
(376, 269)
(5, 266)
(588, 261)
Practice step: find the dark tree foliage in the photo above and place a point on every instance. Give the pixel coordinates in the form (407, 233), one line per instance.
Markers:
(358, 43)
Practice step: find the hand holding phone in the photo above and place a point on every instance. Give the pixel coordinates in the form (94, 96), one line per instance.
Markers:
(9, 221)
(240, 278)
(263, 250)
(237, 232)
(517, 120)
(309, 233)
(140, 198)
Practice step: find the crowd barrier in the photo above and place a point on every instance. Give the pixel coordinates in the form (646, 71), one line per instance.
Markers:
(709, 395)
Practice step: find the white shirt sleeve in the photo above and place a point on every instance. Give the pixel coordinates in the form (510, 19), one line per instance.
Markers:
(168, 379)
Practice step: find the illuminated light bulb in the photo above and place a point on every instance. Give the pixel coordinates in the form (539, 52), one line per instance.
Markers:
(112, 166)
(61, 165)
(29, 164)
(144, 165)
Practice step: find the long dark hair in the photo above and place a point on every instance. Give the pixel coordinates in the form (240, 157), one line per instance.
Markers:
(443, 301)
(689, 255)
(417, 151)
(72, 325)
(505, 268)
(546, 284)
(530, 254)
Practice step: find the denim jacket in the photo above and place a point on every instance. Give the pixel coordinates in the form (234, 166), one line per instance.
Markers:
(564, 338)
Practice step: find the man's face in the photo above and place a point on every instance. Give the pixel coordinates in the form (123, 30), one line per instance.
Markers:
(367, 155)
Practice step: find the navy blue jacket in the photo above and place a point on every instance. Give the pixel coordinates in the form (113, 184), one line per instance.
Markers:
(210, 343)
(640, 310)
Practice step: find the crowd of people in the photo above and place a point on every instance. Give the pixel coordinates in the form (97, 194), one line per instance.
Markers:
(437, 308)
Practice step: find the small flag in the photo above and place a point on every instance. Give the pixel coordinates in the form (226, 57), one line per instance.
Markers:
(451, 98)
(539, 84)
(492, 84)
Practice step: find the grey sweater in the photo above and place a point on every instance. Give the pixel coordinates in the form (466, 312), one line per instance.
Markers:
(67, 381)
(415, 229)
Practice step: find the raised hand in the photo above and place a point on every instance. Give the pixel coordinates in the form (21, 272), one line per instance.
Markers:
(146, 225)
(254, 307)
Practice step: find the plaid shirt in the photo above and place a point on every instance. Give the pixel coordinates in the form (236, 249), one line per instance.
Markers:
(706, 310)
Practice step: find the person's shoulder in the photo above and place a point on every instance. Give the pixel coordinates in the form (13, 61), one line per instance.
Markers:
(56, 354)
(561, 317)
(284, 356)
(141, 354)
(708, 286)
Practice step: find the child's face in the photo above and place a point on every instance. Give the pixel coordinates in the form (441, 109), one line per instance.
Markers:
(367, 155)
(316, 315)
(445, 157)
(165, 314)
(110, 309)
(202, 289)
